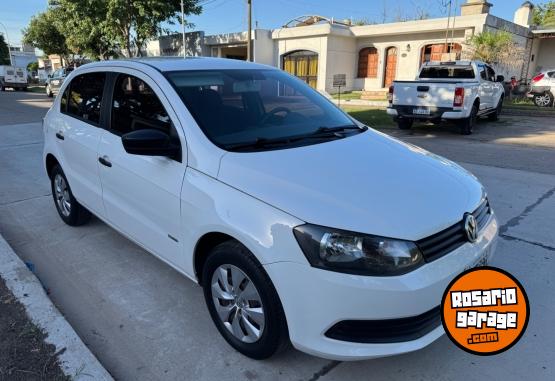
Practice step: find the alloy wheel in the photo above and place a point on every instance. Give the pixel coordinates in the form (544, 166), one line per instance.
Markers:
(543, 100)
(238, 303)
(61, 191)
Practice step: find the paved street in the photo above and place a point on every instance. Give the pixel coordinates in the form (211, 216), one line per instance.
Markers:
(144, 321)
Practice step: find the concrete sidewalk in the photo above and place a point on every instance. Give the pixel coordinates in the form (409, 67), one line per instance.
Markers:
(76, 360)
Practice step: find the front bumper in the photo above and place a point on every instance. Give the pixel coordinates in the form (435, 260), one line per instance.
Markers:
(314, 300)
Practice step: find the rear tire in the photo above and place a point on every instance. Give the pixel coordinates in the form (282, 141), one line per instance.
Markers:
(405, 124)
(543, 100)
(240, 295)
(466, 125)
(494, 116)
(70, 211)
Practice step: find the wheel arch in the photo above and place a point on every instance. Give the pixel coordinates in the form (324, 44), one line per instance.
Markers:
(204, 245)
(50, 162)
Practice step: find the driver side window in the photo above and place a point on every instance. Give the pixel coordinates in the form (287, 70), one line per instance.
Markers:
(135, 106)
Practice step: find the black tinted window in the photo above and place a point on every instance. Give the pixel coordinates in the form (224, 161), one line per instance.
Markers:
(85, 96)
(136, 107)
(491, 74)
(238, 106)
(446, 72)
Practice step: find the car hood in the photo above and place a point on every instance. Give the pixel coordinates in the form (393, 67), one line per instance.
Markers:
(368, 183)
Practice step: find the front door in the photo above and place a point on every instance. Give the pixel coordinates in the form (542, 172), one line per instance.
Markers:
(142, 193)
(390, 66)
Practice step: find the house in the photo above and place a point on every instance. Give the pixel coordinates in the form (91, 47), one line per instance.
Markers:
(316, 48)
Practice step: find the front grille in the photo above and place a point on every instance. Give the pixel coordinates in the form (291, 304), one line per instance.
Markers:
(453, 237)
(385, 331)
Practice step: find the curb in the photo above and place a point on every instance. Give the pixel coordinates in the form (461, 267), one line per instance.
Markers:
(76, 361)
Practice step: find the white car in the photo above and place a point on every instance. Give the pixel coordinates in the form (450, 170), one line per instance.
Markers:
(301, 224)
(542, 89)
(459, 91)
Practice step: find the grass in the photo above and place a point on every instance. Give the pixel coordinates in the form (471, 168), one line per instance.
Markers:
(348, 95)
(371, 116)
(35, 89)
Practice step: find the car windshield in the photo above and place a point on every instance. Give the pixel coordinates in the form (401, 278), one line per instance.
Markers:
(448, 72)
(259, 109)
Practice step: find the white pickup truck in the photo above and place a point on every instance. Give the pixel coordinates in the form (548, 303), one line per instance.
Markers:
(460, 91)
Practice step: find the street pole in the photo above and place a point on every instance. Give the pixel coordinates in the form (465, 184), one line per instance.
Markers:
(8, 42)
(249, 33)
(183, 30)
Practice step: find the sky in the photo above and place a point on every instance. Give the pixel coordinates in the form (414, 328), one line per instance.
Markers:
(225, 16)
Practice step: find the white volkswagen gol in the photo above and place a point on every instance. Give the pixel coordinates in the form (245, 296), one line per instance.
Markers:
(300, 223)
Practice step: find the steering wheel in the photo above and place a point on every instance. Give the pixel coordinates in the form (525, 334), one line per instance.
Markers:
(273, 113)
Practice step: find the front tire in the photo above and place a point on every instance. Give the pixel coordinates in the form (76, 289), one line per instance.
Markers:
(70, 211)
(405, 124)
(243, 302)
(466, 125)
(543, 100)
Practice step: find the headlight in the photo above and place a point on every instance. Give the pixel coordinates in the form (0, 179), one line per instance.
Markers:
(356, 253)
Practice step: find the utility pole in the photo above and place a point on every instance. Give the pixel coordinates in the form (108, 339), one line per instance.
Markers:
(8, 43)
(249, 32)
(183, 30)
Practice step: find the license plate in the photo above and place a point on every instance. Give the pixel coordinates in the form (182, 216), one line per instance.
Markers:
(421, 111)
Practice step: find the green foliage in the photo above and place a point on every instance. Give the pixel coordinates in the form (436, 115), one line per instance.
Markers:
(4, 52)
(44, 34)
(33, 66)
(544, 14)
(494, 48)
(101, 28)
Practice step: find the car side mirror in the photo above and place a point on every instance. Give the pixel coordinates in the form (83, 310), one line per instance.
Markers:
(149, 142)
(49, 75)
(500, 78)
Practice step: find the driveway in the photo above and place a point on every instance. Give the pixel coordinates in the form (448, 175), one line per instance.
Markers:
(144, 321)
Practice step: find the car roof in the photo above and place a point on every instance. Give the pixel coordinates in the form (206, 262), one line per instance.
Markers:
(165, 64)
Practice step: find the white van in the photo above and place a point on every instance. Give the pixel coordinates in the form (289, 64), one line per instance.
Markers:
(14, 77)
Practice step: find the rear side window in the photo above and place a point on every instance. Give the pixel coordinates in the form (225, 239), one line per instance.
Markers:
(85, 97)
(136, 107)
(551, 74)
(446, 72)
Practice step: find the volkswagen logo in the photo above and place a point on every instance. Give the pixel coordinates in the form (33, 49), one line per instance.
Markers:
(470, 227)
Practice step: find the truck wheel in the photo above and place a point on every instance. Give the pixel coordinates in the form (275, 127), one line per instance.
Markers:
(405, 124)
(495, 115)
(467, 125)
(543, 100)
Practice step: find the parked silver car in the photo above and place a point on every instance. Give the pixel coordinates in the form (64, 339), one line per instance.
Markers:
(543, 88)
(56, 79)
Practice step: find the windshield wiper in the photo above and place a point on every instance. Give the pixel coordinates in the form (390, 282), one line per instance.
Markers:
(339, 129)
(322, 132)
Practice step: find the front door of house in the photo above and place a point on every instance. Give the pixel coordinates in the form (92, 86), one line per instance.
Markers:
(390, 66)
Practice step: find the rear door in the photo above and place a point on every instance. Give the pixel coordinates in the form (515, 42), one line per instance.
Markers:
(78, 136)
(142, 193)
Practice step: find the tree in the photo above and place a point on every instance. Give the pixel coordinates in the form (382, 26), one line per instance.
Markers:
(497, 48)
(43, 33)
(83, 24)
(544, 14)
(4, 52)
(33, 66)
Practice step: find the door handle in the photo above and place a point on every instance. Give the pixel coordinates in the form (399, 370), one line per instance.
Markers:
(59, 135)
(104, 161)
